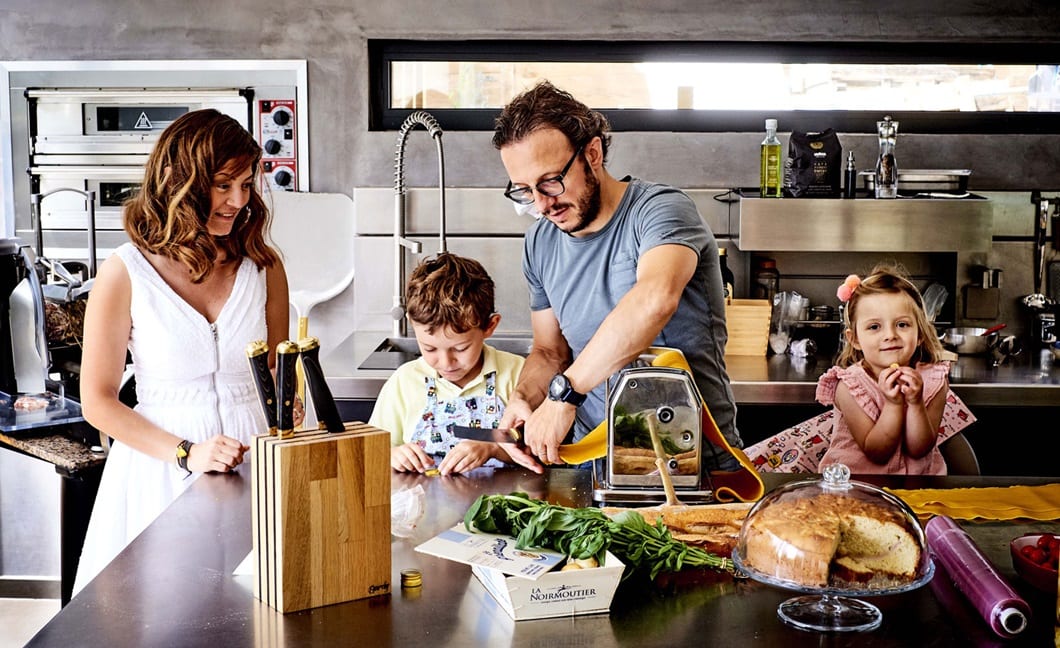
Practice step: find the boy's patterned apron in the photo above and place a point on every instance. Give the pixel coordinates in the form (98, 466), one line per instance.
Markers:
(432, 430)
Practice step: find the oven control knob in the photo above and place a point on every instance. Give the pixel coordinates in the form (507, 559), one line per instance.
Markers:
(282, 178)
(281, 117)
(272, 147)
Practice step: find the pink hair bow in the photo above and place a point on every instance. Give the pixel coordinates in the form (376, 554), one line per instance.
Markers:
(847, 288)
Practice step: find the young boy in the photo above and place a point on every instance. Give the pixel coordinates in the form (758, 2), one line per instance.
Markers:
(458, 380)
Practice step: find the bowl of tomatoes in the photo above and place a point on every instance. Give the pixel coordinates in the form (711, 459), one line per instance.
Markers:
(1034, 557)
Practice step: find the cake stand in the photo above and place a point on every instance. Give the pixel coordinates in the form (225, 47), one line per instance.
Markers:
(834, 608)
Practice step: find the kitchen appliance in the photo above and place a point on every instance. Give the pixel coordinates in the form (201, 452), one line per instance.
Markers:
(656, 422)
(90, 126)
(24, 359)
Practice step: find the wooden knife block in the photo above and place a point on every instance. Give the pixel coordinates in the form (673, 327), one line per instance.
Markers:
(321, 517)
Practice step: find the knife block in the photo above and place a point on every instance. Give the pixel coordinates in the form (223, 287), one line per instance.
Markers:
(321, 517)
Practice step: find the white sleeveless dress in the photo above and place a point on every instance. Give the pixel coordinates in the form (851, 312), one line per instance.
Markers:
(192, 379)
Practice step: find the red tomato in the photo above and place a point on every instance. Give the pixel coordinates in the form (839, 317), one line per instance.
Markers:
(1044, 540)
(1054, 546)
(1026, 550)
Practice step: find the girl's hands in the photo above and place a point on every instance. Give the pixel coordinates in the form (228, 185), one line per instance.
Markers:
(216, 454)
(890, 385)
(912, 385)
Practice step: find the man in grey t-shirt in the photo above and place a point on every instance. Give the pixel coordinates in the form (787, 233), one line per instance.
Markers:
(613, 266)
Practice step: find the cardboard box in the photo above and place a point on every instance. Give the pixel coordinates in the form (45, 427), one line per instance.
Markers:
(556, 593)
(524, 582)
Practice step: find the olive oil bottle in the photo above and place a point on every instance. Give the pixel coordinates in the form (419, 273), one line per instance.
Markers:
(772, 174)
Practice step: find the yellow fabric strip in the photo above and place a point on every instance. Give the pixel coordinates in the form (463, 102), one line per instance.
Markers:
(991, 503)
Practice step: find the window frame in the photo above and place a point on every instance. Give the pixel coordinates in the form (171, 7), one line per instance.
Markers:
(382, 52)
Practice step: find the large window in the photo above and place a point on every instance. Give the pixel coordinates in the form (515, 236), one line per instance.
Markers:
(728, 86)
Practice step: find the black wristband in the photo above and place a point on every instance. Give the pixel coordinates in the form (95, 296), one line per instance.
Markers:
(183, 451)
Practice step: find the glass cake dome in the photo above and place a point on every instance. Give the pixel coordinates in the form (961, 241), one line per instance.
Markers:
(831, 539)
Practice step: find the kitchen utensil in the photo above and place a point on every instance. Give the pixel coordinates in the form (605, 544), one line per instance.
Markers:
(315, 233)
(320, 513)
(968, 340)
(286, 358)
(258, 354)
(1005, 348)
(323, 402)
(993, 329)
(780, 555)
(491, 435)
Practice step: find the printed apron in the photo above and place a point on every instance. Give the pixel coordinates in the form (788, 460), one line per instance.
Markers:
(432, 431)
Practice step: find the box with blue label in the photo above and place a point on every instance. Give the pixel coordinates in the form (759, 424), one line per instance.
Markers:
(528, 583)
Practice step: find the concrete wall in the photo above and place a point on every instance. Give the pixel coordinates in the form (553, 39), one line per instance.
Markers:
(332, 34)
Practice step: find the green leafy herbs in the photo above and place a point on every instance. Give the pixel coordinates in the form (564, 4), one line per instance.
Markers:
(586, 532)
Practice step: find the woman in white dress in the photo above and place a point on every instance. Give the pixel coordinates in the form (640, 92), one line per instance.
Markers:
(195, 285)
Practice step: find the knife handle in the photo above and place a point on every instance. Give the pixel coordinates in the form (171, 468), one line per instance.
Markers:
(258, 353)
(323, 402)
(286, 359)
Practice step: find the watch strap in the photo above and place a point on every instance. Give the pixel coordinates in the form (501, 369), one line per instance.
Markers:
(183, 451)
(569, 395)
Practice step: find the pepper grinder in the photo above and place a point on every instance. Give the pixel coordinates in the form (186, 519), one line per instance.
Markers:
(887, 166)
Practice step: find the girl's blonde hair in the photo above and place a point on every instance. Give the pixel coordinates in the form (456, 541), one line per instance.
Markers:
(889, 279)
(168, 215)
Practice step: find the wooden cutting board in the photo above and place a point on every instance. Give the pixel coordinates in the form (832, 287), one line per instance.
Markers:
(321, 517)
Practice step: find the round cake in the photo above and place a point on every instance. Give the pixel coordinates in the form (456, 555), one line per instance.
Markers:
(832, 540)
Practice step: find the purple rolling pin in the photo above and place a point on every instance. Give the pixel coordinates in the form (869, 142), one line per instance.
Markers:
(972, 574)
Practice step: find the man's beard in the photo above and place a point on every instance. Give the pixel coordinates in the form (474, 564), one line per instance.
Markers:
(589, 205)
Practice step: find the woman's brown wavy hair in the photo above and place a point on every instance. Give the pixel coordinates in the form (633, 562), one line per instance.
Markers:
(168, 215)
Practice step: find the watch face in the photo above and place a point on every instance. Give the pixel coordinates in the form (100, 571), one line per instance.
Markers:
(558, 386)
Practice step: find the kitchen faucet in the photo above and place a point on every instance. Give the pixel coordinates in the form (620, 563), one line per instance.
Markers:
(424, 119)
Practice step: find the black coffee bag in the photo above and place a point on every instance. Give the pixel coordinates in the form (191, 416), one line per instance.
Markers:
(814, 164)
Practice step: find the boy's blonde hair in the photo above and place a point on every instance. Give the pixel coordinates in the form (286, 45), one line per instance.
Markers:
(450, 291)
(884, 279)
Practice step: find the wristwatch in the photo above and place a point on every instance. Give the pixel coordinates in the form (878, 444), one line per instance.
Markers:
(560, 390)
(183, 450)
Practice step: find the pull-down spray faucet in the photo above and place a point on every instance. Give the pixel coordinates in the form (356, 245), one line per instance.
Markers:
(400, 241)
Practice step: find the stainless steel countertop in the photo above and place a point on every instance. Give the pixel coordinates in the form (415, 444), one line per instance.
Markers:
(1030, 379)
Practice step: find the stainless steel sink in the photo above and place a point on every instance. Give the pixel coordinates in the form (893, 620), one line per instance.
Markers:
(393, 352)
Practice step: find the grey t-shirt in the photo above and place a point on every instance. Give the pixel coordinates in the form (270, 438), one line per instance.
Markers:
(582, 279)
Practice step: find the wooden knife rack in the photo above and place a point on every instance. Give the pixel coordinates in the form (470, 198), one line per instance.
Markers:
(321, 517)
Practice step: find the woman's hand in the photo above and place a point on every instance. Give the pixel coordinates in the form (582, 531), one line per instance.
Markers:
(467, 455)
(217, 454)
(410, 457)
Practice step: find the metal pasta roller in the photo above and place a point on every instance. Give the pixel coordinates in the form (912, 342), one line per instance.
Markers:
(654, 425)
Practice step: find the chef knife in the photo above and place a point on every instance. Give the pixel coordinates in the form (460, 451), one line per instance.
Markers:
(323, 402)
(491, 435)
(258, 353)
(286, 359)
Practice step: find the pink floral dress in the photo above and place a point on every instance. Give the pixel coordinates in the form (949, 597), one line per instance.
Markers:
(869, 396)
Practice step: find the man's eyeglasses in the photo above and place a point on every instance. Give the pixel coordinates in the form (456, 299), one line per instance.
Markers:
(550, 187)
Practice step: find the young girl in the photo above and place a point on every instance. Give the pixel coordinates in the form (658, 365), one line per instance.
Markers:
(889, 388)
(459, 379)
